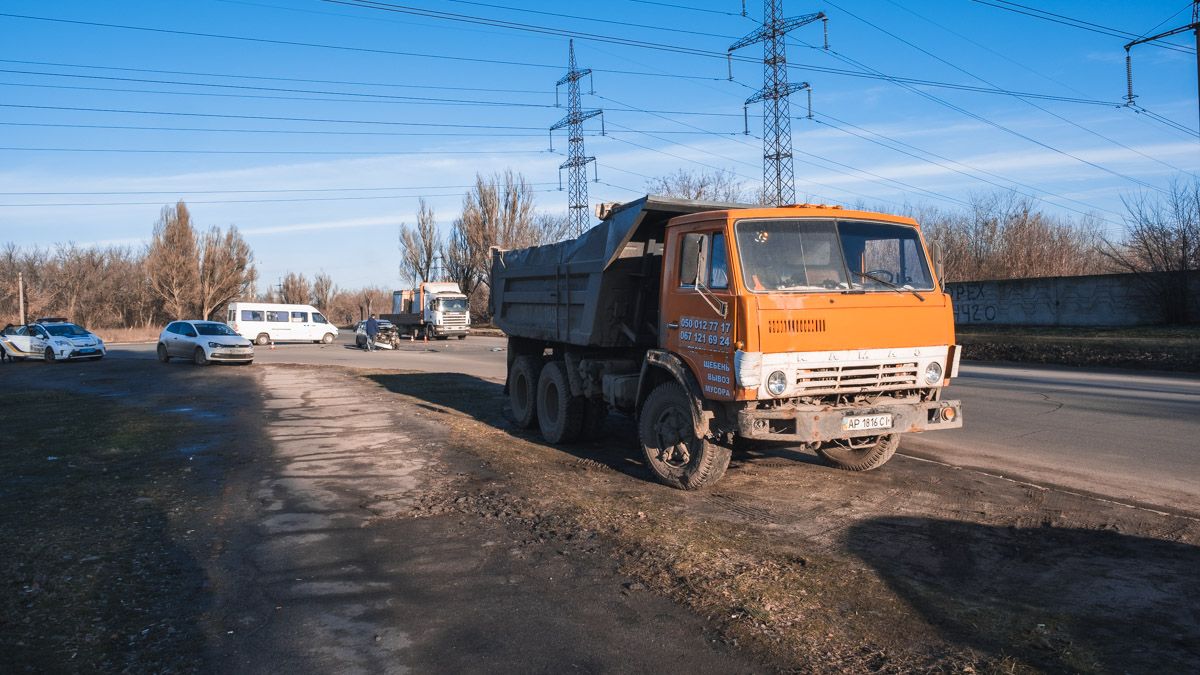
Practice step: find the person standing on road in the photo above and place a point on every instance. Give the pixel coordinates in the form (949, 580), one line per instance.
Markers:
(372, 329)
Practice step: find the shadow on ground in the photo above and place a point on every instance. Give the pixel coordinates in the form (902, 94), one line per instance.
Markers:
(1058, 599)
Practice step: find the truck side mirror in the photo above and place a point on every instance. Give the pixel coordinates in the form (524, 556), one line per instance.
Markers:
(935, 254)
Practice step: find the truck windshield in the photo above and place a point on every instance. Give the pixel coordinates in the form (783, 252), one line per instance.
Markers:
(452, 304)
(823, 255)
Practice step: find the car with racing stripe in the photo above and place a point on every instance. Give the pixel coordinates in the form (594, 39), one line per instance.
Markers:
(52, 339)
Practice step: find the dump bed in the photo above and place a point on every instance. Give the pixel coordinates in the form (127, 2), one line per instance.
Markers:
(599, 289)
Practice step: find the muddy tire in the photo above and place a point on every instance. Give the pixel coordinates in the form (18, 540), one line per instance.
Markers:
(522, 390)
(863, 454)
(595, 414)
(560, 415)
(673, 451)
(262, 339)
(199, 358)
(163, 356)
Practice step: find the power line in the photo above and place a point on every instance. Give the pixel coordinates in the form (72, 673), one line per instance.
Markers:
(996, 125)
(245, 201)
(111, 193)
(1073, 23)
(676, 76)
(355, 83)
(207, 151)
(1025, 101)
(312, 132)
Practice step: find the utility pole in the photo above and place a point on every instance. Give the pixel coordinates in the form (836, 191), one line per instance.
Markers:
(779, 180)
(21, 294)
(577, 159)
(1194, 26)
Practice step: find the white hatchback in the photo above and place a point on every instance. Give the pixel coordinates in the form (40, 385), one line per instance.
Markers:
(203, 342)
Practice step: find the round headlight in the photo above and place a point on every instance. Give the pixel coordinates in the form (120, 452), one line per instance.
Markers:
(777, 383)
(933, 373)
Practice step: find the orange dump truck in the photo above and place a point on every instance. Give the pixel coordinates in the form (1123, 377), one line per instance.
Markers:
(721, 326)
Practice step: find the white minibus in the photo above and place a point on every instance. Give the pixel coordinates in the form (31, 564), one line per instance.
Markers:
(266, 322)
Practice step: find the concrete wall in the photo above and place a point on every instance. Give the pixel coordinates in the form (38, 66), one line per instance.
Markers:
(1096, 300)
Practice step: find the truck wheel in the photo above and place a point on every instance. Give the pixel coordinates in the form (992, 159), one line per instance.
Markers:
(860, 454)
(675, 454)
(560, 415)
(595, 413)
(522, 390)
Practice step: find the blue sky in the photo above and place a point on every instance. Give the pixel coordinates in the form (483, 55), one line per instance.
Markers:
(395, 106)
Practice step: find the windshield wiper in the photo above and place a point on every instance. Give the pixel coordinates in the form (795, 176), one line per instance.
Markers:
(894, 287)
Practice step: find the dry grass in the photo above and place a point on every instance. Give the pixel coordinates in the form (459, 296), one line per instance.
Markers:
(118, 335)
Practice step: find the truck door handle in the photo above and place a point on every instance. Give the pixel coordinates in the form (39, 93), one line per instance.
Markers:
(672, 325)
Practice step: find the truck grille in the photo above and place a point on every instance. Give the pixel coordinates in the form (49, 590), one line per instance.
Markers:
(796, 326)
(454, 320)
(857, 378)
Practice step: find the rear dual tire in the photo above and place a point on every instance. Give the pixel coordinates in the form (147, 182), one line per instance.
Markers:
(559, 414)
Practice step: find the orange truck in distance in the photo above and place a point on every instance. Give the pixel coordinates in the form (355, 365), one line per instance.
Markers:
(722, 326)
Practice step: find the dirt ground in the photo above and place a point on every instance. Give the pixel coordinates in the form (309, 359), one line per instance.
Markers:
(179, 519)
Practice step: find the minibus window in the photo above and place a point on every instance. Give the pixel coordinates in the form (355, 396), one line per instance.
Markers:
(277, 317)
(299, 317)
(252, 315)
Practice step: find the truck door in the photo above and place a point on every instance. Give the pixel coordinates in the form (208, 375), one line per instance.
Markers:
(697, 314)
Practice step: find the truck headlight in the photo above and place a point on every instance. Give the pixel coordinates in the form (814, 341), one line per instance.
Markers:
(777, 383)
(933, 373)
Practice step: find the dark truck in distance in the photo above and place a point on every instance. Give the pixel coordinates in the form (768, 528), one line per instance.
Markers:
(718, 323)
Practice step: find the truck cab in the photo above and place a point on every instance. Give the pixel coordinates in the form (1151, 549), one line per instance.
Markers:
(810, 324)
(721, 326)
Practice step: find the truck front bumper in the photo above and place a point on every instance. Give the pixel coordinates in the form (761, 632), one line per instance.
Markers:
(814, 425)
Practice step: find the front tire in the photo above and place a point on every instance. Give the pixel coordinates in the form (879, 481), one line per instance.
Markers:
(860, 454)
(163, 356)
(327, 339)
(522, 390)
(262, 339)
(199, 358)
(560, 415)
(462, 337)
(49, 356)
(673, 451)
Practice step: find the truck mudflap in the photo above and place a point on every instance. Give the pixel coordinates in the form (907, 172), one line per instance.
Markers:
(814, 425)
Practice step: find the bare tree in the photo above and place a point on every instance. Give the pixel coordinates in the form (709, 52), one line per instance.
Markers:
(718, 185)
(322, 291)
(552, 227)
(172, 261)
(1162, 245)
(499, 213)
(226, 272)
(294, 289)
(419, 245)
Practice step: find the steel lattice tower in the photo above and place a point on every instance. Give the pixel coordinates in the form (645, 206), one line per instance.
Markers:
(779, 181)
(577, 159)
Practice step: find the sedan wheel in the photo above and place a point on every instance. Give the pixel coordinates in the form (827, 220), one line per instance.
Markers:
(162, 353)
(199, 357)
(49, 355)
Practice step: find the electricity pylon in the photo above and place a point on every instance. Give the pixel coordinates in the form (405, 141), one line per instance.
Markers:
(577, 159)
(779, 180)
(1194, 26)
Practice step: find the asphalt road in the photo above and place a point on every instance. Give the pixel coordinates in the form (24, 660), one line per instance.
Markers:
(1126, 436)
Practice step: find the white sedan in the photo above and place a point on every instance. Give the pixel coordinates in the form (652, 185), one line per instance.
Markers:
(203, 342)
(51, 340)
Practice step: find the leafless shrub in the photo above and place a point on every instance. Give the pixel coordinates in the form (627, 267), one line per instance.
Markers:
(1162, 246)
